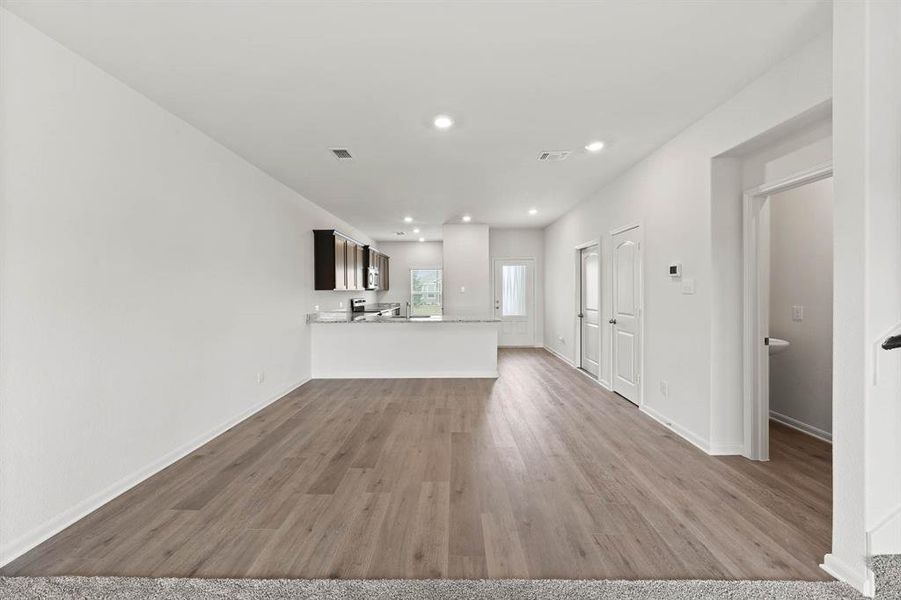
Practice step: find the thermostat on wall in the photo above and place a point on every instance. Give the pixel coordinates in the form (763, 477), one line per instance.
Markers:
(675, 270)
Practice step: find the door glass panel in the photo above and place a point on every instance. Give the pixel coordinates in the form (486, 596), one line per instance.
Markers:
(513, 292)
(625, 287)
(590, 281)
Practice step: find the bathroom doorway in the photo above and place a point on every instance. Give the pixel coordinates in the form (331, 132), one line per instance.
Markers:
(788, 268)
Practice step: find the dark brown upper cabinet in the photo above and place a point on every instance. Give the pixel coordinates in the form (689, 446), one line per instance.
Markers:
(342, 263)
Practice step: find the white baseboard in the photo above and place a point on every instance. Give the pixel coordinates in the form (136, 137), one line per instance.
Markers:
(601, 382)
(25, 542)
(860, 578)
(717, 449)
(560, 356)
(725, 449)
(408, 375)
(684, 432)
(801, 426)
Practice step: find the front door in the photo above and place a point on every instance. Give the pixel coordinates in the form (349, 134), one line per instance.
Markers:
(514, 301)
(626, 331)
(590, 309)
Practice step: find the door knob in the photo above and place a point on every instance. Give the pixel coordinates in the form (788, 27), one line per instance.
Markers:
(612, 321)
(580, 315)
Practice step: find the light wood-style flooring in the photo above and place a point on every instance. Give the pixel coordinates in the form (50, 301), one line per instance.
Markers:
(539, 474)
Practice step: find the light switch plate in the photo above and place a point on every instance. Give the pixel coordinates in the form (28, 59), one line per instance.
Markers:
(797, 313)
(688, 286)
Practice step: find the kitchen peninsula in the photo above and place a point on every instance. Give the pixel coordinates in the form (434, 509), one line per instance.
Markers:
(348, 346)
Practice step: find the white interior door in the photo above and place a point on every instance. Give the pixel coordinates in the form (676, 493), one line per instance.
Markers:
(514, 301)
(626, 336)
(590, 309)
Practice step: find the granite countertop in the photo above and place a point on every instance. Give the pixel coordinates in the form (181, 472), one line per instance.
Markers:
(346, 317)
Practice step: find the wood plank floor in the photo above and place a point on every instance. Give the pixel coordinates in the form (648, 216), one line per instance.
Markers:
(539, 474)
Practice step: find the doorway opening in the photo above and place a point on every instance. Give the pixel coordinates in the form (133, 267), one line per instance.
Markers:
(589, 314)
(514, 301)
(787, 345)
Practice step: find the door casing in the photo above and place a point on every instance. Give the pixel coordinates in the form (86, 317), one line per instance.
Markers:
(577, 323)
(755, 317)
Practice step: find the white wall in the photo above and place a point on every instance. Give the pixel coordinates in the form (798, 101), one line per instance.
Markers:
(801, 275)
(867, 292)
(669, 193)
(405, 256)
(148, 275)
(467, 274)
(523, 243)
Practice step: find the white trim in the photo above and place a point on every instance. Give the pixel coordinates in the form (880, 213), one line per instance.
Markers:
(560, 356)
(690, 436)
(46, 530)
(579, 370)
(408, 375)
(694, 439)
(877, 348)
(730, 449)
(881, 538)
(755, 356)
(863, 581)
(578, 305)
(624, 228)
(801, 426)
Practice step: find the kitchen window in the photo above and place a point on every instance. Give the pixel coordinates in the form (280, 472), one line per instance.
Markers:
(425, 292)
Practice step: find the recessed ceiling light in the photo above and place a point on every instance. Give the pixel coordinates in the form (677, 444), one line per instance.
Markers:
(443, 122)
(408, 219)
(467, 218)
(416, 230)
(421, 239)
(533, 211)
(595, 146)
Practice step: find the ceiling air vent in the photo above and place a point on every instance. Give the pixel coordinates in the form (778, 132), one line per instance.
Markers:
(554, 156)
(341, 153)
(400, 233)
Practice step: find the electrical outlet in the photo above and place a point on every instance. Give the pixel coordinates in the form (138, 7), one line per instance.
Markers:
(561, 339)
(340, 304)
(316, 308)
(664, 388)
(261, 376)
(462, 289)
(797, 313)
(688, 286)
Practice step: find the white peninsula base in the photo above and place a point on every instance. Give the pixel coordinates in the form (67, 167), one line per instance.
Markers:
(403, 350)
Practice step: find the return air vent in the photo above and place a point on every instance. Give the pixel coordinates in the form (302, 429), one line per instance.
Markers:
(554, 156)
(341, 153)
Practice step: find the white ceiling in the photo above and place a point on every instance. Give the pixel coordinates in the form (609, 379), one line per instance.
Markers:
(282, 82)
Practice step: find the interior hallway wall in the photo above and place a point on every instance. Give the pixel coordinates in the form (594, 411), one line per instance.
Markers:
(671, 194)
(149, 277)
(801, 275)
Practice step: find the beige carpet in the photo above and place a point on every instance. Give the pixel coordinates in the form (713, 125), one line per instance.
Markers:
(127, 588)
